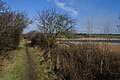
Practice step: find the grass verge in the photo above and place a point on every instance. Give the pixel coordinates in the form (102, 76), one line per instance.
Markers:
(41, 66)
(14, 69)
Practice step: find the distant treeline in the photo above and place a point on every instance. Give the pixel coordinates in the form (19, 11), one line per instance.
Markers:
(78, 35)
(95, 34)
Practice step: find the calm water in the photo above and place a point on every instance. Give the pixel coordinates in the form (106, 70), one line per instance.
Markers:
(107, 41)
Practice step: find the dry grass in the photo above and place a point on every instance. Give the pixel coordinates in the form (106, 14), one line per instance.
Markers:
(83, 61)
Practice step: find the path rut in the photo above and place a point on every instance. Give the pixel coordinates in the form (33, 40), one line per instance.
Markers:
(30, 67)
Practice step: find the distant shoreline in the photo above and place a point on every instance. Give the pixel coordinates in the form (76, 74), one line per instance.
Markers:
(89, 39)
(103, 40)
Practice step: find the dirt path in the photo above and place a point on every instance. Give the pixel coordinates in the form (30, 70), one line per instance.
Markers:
(30, 67)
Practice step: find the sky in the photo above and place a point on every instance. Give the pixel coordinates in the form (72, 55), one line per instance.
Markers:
(99, 10)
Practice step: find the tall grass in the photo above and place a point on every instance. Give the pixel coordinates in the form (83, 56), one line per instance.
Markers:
(86, 61)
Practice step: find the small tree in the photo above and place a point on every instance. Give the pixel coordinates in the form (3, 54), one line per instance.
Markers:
(118, 25)
(107, 26)
(89, 25)
(53, 24)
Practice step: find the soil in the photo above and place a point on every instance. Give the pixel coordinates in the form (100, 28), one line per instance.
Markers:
(30, 75)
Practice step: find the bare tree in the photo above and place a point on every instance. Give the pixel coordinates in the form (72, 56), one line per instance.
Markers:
(118, 25)
(53, 24)
(107, 26)
(89, 25)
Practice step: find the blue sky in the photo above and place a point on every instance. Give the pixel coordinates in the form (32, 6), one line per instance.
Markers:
(79, 9)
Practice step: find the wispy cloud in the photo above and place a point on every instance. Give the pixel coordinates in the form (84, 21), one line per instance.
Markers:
(65, 7)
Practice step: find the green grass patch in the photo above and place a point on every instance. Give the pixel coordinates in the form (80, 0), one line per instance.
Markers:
(42, 68)
(14, 69)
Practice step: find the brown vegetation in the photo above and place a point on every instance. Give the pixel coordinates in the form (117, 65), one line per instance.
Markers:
(82, 61)
(85, 62)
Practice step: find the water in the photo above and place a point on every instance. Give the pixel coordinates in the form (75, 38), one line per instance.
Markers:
(107, 41)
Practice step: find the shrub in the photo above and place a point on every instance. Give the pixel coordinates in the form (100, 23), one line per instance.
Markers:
(39, 40)
(11, 26)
